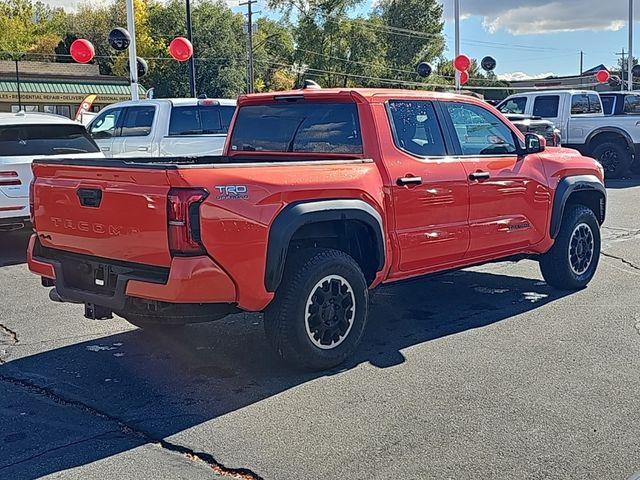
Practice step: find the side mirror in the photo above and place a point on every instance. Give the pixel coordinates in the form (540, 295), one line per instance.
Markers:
(534, 143)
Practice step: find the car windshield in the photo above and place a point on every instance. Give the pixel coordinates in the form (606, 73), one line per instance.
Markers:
(35, 140)
(300, 127)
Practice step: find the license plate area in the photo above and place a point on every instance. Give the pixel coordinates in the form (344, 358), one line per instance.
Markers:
(91, 276)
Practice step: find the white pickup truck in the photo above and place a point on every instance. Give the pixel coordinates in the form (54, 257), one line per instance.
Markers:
(613, 141)
(163, 127)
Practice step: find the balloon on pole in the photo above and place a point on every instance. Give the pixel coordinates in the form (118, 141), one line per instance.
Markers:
(488, 64)
(82, 51)
(181, 49)
(462, 62)
(464, 77)
(119, 39)
(603, 76)
(424, 69)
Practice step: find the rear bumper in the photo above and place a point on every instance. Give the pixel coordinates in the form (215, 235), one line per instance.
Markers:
(77, 278)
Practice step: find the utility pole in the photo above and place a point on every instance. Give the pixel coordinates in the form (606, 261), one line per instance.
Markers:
(249, 4)
(192, 60)
(133, 59)
(456, 5)
(630, 61)
(581, 62)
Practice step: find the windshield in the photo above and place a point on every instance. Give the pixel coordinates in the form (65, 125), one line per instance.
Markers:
(302, 127)
(35, 140)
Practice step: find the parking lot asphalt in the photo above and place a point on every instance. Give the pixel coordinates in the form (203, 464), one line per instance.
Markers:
(484, 373)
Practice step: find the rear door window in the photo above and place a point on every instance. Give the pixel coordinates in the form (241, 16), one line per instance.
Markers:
(516, 105)
(299, 127)
(415, 128)
(199, 120)
(546, 106)
(583, 104)
(138, 121)
(632, 104)
(36, 140)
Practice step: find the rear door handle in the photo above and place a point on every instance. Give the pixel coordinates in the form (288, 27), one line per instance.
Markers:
(105, 149)
(143, 149)
(409, 181)
(479, 176)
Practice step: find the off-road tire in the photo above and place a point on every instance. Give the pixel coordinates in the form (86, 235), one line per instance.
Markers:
(303, 315)
(614, 157)
(567, 266)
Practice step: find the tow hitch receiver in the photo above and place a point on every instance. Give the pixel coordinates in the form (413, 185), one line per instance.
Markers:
(96, 312)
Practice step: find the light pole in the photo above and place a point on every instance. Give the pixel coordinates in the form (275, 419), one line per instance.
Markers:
(630, 60)
(133, 63)
(192, 61)
(456, 13)
(16, 60)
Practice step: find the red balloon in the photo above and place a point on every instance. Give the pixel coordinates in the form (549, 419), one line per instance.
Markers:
(603, 76)
(462, 62)
(82, 51)
(181, 49)
(464, 77)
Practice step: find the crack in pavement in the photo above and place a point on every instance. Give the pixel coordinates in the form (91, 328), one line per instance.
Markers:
(123, 427)
(12, 335)
(623, 260)
(71, 444)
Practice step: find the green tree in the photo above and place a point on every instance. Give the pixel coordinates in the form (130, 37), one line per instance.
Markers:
(412, 31)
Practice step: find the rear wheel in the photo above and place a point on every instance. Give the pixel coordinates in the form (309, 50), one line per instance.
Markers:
(572, 261)
(614, 157)
(319, 314)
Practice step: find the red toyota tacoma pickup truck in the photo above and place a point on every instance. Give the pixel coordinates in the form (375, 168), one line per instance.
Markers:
(321, 196)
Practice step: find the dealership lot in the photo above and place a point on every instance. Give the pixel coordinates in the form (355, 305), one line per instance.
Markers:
(483, 373)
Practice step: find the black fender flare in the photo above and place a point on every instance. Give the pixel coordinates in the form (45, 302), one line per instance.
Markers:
(618, 131)
(570, 185)
(298, 214)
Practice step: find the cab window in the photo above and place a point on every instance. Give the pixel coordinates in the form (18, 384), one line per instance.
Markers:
(515, 105)
(479, 131)
(105, 124)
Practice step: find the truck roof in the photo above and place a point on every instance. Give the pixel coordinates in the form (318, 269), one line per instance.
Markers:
(32, 118)
(370, 95)
(179, 102)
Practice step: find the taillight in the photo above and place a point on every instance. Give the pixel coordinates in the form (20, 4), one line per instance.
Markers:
(8, 179)
(183, 215)
(32, 214)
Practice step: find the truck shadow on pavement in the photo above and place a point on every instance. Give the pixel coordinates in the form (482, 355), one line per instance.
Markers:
(75, 405)
(13, 247)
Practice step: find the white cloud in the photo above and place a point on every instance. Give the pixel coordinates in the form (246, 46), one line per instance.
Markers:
(523, 76)
(521, 17)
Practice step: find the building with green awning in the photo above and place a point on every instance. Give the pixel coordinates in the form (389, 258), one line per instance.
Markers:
(58, 87)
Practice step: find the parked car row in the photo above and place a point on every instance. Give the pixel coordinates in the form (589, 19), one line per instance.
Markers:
(603, 126)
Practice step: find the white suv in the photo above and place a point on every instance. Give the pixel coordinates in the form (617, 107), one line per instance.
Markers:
(23, 137)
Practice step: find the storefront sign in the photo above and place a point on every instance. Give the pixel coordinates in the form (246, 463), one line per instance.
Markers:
(55, 98)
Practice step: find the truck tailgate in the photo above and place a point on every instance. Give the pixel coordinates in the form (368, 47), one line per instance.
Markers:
(104, 211)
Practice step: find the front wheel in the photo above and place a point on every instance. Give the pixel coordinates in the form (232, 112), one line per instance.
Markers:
(318, 316)
(572, 261)
(614, 157)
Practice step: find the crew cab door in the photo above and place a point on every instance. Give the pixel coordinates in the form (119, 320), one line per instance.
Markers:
(508, 196)
(429, 189)
(135, 138)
